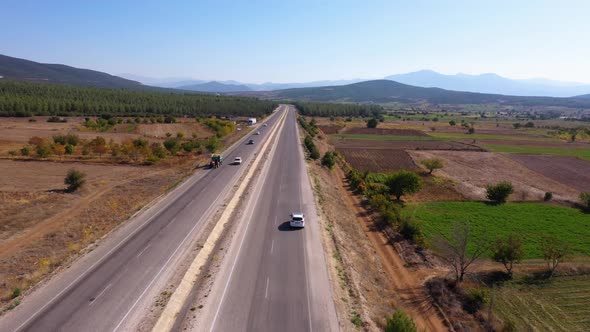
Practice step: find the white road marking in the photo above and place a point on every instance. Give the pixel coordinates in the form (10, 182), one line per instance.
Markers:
(266, 292)
(272, 245)
(96, 298)
(144, 249)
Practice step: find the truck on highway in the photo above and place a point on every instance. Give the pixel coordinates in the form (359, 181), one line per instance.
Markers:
(216, 161)
(251, 121)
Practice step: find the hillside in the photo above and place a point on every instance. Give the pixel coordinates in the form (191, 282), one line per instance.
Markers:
(384, 91)
(491, 83)
(215, 87)
(25, 70)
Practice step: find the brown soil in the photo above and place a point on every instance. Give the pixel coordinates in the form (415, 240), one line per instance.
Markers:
(570, 171)
(383, 131)
(331, 129)
(472, 171)
(378, 160)
(541, 144)
(403, 145)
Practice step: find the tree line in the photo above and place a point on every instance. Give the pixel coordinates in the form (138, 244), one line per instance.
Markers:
(28, 99)
(331, 110)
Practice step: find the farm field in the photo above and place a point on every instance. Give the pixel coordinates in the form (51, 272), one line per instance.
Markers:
(401, 144)
(378, 160)
(532, 220)
(505, 137)
(570, 171)
(383, 131)
(472, 171)
(559, 305)
(583, 153)
(384, 137)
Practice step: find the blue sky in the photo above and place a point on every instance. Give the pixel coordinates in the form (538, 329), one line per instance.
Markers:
(296, 41)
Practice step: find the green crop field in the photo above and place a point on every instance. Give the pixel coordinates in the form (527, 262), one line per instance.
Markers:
(530, 220)
(385, 137)
(563, 304)
(573, 152)
(519, 137)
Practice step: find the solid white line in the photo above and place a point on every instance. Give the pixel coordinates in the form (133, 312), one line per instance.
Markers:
(164, 266)
(96, 298)
(266, 292)
(272, 245)
(237, 256)
(144, 249)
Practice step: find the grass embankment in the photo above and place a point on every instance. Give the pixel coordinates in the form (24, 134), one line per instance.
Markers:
(559, 305)
(572, 152)
(532, 221)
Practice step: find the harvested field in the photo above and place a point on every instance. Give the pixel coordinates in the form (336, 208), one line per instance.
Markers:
(402, 144)
(383, 131)
(570, 171)
(329, 130)
(472, 171)
(378, 160)
(159, 130)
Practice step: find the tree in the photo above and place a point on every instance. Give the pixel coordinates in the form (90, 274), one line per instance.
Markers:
(372, 123)
(403, 183)
(213, 144)
(471, 130)
(400, 322)
(499, 192)
(452, 123)
(314, 153)
(454, 251)
(74, 179)
(329, 160)
(172, 145)
(432, 164)
(508, 251)
(554, 252)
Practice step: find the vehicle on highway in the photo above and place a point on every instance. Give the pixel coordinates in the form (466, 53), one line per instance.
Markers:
(216, 161)
(257, 133)
(237, 160)
(297, 220)
(251, 141)
(266, 124)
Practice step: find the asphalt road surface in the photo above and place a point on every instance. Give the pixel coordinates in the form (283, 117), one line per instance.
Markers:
(120, 279)
(274, 278)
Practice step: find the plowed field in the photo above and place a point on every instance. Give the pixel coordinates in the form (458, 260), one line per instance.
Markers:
(378, 160)
(383, 131)
(570, 171)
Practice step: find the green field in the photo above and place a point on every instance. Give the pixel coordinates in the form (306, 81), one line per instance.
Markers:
(520, 137)
(572, 152)
(560, 305)
(385, 137)
(530, 220)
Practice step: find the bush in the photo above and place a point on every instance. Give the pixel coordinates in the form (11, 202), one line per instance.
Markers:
(372, 123)
(432, 164)
(548, 196)
(172, 145)
(400, 322)
(508, 251)
(15, 293)
(43, 151)
(499, 192)
(452, 122)
(475, 299)
(471, 130)
(403, 183)
(74, 179)
(585, 199)
(25, 151)
(314, 153)
(329, 160)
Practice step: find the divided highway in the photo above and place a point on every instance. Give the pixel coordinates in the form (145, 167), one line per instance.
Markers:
(114, 286)
(274, 278)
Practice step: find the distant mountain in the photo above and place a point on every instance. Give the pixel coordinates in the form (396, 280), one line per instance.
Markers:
(491, 83)
(215, 87)
(25, 70)
(584, 96)
(384, 91)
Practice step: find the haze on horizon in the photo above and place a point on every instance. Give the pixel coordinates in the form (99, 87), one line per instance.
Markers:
(305, 40)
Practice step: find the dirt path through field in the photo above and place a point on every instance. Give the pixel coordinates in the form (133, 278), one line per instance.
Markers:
(30, 235)
(408, 284)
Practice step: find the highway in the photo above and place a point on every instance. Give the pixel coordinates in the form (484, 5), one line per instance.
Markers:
(274, 278)
(114, 287)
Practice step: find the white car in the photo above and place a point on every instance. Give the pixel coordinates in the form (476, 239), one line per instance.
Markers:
(266, 124)
(257, 133)
(237, 160)
(297, 220)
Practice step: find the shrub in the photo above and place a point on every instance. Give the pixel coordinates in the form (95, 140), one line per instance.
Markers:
(403, 183)
(585, 199)
(471, 130)
(372, 123)
(212, 144)
(400, 322)
(432, 164)
(172, 145)
(25, 151)
(499, 192)
(452, 122)
(15, 293)
(548, 196)
(329, 160)
(180, 134)
(314, 153)
(74, 179)
(158, 150)
(12, 153)
(475, 299)
(43, 151)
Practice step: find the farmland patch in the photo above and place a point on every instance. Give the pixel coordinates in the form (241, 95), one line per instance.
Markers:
(383, 131)
(378, 160)
(570, 171)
